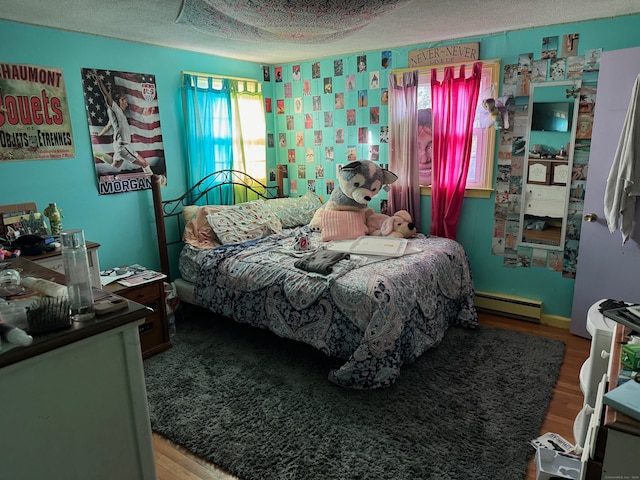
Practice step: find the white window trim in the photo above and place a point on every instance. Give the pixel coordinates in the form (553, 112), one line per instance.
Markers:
(484, 188)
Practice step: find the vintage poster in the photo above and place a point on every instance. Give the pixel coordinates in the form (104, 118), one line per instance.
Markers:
(124, 123)
(34, 114)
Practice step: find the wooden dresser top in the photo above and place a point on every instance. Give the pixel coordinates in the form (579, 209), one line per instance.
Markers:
(43, 343)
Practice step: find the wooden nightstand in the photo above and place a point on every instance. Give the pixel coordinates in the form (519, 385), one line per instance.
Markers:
(154, 332)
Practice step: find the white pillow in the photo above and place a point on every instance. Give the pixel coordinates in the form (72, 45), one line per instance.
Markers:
(264, 214)
(295, 211)
(243, 222)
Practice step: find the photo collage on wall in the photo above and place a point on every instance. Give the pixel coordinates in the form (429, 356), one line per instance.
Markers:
(329, 112)
(558, 61)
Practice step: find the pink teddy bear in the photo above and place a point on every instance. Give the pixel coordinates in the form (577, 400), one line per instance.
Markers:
(400, 225)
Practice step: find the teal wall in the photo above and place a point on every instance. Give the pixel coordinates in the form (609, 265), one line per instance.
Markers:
(476, 225)
(123, 224)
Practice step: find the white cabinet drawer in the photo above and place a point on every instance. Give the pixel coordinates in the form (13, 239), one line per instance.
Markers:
(581, 426)
(545, 201)
(589, 448)
(585, 376)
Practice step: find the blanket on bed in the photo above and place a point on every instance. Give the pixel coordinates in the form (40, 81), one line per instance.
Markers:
(376, 316)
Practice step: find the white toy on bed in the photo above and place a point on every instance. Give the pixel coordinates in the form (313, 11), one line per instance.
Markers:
(399, 225)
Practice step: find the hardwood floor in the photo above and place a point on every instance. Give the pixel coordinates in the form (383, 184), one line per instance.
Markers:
(175, 463)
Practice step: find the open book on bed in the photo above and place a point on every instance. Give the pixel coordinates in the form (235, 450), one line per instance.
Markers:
(374, 245)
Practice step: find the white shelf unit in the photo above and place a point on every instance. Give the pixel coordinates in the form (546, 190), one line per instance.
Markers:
(608, 444)
(601, 330)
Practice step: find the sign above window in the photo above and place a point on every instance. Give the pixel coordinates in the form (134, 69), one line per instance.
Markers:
(426, 57)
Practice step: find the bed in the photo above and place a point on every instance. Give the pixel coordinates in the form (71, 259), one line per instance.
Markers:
(374, 313)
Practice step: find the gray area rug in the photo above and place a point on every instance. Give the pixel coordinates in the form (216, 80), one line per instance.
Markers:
(261, 407)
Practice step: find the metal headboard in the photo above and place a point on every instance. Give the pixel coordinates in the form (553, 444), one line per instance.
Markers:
(213, 189)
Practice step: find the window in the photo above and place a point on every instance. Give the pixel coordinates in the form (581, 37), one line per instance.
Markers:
(480, 176)
(225, 125)
(249, 132)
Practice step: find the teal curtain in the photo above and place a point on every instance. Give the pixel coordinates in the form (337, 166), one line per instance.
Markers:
(209, 127)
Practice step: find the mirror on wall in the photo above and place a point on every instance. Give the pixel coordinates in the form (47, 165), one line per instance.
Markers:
(552, 112)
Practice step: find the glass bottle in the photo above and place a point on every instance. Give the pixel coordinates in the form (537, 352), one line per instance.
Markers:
(76, 270)
(54, 214)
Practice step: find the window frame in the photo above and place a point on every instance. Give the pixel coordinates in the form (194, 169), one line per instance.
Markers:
(486, 137)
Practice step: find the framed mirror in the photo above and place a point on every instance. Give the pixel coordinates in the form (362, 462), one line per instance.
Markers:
(552, 117)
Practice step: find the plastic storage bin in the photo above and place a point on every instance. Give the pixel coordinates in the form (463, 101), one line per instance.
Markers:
(552, 465)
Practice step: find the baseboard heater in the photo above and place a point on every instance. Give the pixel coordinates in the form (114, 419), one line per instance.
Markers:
(509, 306)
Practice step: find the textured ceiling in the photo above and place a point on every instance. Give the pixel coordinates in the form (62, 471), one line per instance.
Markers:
(420, 21)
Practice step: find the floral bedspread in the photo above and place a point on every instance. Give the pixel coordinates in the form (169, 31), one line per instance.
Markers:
(376, 316)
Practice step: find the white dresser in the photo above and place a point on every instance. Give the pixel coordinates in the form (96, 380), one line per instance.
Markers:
(608, 441)
(74, 403)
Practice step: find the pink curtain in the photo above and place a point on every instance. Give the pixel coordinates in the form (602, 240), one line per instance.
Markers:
(403, 152)
(454, 103)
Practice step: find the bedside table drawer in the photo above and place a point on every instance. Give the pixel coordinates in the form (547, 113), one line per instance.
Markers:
(151, 332)
(154, 332)
(144, 294)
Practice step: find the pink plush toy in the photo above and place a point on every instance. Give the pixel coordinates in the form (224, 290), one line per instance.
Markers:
(399, 225)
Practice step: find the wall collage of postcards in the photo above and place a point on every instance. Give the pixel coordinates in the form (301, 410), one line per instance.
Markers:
(557, 62)
(337, 110)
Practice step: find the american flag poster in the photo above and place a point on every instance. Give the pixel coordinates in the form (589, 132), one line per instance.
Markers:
(124, 123)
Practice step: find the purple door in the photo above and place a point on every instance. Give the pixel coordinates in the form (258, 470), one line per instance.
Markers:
(606, 268)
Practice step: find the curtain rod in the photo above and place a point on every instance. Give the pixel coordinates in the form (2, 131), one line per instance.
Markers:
(220, 76)
(429, 67)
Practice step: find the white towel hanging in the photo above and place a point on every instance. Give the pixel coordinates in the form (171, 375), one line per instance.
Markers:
(623, 183)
